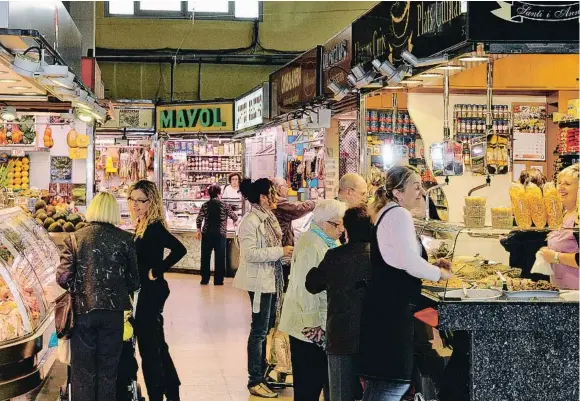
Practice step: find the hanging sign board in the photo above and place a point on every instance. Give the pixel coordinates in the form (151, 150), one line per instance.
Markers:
(201, 117)
(297, 83)
(251, 109)
(336, 58)
(523, 21)
(423, 28)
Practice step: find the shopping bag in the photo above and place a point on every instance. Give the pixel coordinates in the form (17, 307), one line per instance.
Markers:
(541, 266)
(63, 351)
(278, 351)
(53, 341)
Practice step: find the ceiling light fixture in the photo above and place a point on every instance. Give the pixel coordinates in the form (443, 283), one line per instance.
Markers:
(64, 82)
(431, 75)
(394, 87)
(9, 80)
(24, 98)
(84, 115)
(423, 62)
(450, 67)
(8, 113)
(339, 91)
(359, 77)
(474, 59)
(385, 68)
(20, 87)
(26, 65)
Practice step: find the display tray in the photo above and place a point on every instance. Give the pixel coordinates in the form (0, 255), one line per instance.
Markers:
(472, 295)
(531, 294)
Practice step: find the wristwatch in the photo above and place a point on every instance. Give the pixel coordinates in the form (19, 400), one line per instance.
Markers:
(556, 258)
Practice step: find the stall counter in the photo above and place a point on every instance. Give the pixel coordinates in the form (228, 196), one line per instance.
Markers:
(518, 349)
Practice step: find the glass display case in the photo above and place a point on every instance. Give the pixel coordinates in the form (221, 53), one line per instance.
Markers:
(477, 254)
(28, 262)
(190, 167)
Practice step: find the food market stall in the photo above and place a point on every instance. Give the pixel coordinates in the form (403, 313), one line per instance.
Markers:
(197, 151)
(125, 150)
(28, 261)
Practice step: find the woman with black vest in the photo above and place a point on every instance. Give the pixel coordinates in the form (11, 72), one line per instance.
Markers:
(398, 264)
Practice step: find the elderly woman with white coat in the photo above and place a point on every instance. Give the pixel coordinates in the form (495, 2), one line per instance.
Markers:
(304, 314)
(260, 274)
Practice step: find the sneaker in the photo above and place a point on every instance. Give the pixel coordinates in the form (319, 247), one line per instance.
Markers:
(262, 391)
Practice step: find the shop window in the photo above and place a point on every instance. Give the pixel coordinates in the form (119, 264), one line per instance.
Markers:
(242, 10)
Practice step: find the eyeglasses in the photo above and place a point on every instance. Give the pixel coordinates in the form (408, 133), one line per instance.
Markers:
(335, 224)
(141, 201)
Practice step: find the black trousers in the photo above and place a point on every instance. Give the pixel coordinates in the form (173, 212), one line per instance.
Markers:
(309, 369)
(213, 242)
(96, 343)
(158, 368)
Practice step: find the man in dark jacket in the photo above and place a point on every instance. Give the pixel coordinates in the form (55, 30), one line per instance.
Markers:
(287, 211)
(343, 274)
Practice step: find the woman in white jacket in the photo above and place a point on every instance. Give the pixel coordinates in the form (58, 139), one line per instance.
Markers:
(304, 314)
(260, 273)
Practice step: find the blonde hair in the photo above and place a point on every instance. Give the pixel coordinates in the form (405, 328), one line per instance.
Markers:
(397, 179)
(104, 209)
(572, 171)
(156, 211)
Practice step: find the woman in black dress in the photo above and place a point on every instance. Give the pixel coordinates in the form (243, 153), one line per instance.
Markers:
(151, 240)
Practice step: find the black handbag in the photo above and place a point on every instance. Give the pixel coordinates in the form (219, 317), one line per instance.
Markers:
(64, 317)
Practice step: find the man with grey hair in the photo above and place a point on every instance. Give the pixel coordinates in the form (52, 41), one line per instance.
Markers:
(352, 190)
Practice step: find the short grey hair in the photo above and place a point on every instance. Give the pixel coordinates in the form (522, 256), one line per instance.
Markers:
(328, 210)
(349, 180)
(279, 181)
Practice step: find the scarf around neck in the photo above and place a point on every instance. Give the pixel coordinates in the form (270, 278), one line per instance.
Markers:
(273, 231)
(330, 242)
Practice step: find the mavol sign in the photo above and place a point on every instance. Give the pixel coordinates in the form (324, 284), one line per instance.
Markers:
(195, 118)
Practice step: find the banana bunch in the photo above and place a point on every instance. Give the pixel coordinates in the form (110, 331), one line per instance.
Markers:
(5, 180)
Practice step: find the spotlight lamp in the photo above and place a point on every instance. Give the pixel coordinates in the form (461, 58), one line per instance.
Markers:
(359, 77)
(399, 74)
(84, 115)
(385, 68)
(8, 113)
(339, 91)
(423, 62)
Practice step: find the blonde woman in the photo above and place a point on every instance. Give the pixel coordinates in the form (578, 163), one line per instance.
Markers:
(99, 266)
(562, 249)
(151, 240)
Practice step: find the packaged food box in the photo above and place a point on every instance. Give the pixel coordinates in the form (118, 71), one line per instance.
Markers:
(574, 108)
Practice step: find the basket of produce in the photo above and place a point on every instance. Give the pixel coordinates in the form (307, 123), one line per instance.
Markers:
(475, 201)
(520, 206)
(474, 211)
(553, 205)
(474, 222)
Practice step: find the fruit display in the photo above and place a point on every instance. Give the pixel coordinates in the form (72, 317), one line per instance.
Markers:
(57, 218)
(77, 140)
(15, 174)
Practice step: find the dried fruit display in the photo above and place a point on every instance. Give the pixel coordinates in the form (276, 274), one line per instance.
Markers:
(535, 201)
(520, 206)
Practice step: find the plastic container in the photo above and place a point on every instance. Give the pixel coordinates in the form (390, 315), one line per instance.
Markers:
(474, 222)
(474, 211)
(478, 201)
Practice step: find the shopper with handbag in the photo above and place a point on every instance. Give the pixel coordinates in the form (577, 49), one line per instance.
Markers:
(260, 274)
(398, 262)
(151, 240)
(99, 268)
(304, 314)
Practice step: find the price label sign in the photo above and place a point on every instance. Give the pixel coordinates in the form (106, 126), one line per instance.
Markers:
(18, 153)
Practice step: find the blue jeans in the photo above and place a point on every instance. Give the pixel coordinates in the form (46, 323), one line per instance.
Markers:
(344, 381)
(262, 322)
(382, 390)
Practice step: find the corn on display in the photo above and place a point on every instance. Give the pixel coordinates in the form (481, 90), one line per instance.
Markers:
(553, 206)
(520, 206)
(535, 202)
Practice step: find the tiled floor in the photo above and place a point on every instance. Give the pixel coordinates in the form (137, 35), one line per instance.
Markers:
(207, 329)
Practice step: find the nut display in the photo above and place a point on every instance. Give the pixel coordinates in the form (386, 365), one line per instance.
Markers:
(475, 201)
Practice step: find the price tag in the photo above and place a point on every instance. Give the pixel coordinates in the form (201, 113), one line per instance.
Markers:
(18, 153)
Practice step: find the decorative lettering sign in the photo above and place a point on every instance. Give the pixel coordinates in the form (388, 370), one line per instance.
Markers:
(423, 28)
(297, 83)
(252, 109)
(336, 58)
(202, 117)
(524, 21)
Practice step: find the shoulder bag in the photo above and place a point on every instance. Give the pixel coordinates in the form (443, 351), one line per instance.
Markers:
(63, 309)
